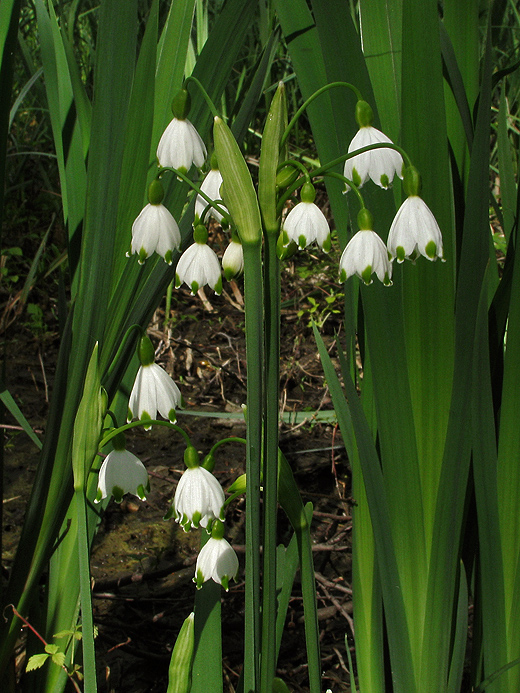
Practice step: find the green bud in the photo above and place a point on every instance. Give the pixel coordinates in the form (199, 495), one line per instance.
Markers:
(239, 485)
(240, 196)
(179, 673)
(270, 158)
(191, 457)
(308, 193)
(145, 351)
(364, 219)
(209, 462)
(217, 530)
(364, 114)
(155, 192)
(412, 181)
(181, 104)
(286, 177)
(200, 234)
(119, 442)
(279, 686)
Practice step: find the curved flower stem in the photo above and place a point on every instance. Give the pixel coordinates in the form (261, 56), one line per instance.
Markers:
(194, 186)
(311, 99)
(149, 422)
(226, 440)
(378, 145)
(297, 164)
(204, 93)
(353, 186)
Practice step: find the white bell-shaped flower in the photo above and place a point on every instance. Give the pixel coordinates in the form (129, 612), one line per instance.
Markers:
(382, 164)
(211, 186)
(154, 392)
(414, 230)
(217, 559)
(306, 223)
(181, 146)
(233, 260)
(155, 230)
(199, 265)
(199, 497)
(365, 253)
(122, 472)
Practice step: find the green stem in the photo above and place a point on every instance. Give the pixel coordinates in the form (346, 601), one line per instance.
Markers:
(194, 186)
(270, 466)
(87, 624)
(253, 295)
(204, 93)
(226, 440)
(353, 186)
(149, 422)
(311, 99)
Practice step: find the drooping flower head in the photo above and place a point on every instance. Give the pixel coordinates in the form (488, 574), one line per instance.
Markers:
(122, 472)
(199, 497)
(181, 146)
(382, 164)
(155, 230)
(199, 264)
(365, 254)
(153, 391)
(414, 229)
(233, 258)
(217, 559)
(211, 186)
(306, 223)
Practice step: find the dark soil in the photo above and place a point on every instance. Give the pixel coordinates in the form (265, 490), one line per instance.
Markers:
(143, 566)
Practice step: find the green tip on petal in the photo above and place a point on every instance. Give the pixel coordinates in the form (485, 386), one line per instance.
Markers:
(431, 250)
(342, 276)
(387, 281)
(196, 518)
(366, 275)
(229, 274)
(177, 281)
(400, 253)
(118, 494)
(218, 287)
(385, 182)
(224, 581)
(194, 288)
(168, 257)
(99, 496)
(356, 178)
(327, 245)
(141, 492)
(141, 257)
(302, 242)
(199, 579)
(172, 416)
